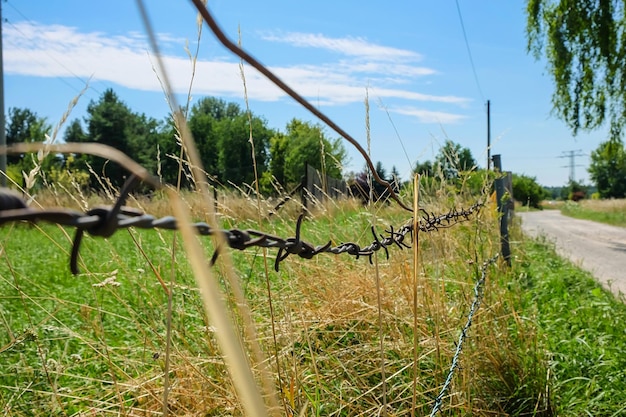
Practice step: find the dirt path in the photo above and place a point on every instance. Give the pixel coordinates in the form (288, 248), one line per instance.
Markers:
(595, 247)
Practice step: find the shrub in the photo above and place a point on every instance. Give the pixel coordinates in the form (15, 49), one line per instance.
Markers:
(527, 191)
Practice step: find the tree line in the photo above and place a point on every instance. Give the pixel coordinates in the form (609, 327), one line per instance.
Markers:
(225, 135)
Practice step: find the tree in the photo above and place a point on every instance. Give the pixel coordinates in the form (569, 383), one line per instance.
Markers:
(527, 191)
(23, 125)
(111, 122)
(452, 159)
(75, 132)
(305, 143)
(222, 133)
(423, 168)
(608, 169)
(583, 43)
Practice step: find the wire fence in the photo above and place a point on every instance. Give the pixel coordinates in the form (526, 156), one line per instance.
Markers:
(104, 221)
(478, 295)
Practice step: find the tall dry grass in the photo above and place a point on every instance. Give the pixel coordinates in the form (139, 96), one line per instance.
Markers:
(339, 338)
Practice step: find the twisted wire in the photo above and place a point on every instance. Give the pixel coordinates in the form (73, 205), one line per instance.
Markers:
(478, 295)
(103, 221)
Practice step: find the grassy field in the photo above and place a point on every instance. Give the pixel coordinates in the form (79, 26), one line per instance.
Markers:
(611, 212)
(336, 334)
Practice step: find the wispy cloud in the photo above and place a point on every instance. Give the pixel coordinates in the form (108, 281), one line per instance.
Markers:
(428, 116)
(60, 51)
(357, 47)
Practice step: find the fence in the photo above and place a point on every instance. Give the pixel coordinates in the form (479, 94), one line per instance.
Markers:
(318, 187)
(105, 221)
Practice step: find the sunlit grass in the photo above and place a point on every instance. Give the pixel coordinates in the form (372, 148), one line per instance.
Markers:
(94, 343)
(611, 211)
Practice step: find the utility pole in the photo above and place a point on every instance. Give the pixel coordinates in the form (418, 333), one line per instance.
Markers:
(3, 138)
(572, 162)
(488, 135)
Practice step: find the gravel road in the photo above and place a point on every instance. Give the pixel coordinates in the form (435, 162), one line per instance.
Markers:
(595, 247)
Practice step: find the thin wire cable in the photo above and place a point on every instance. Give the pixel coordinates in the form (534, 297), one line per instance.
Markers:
(469, 52)
(104, 221)
(478, 295)
(78, 77)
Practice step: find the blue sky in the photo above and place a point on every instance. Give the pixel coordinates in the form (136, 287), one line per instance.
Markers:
(409, 56)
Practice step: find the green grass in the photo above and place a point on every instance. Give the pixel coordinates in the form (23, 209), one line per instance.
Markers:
(84, 344)
(582, 330)
(613, 214)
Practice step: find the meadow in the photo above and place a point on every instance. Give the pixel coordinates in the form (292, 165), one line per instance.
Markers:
(431, 328)
(612, 211)
(332, 335)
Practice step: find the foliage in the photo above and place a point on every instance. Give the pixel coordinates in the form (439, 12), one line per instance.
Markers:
(611, 212)
(23, 125)
(573, 191)
(453, 159)
(583, 44)
(455, 167)
(527, 191)
(360, 184)
(608, 169)
(302, 143)
(98, 343)
(111, 122)
(582, 327)
(424, 168)
(68, 175)
(450, 161)
(222, 132)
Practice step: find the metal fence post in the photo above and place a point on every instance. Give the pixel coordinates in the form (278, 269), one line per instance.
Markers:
(503, 210)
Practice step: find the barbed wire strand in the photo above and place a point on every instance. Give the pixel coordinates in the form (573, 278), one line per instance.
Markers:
(234, 48)
(103, 221)
(478, 295)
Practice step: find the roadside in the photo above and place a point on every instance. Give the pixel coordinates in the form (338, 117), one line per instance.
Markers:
(595, 247)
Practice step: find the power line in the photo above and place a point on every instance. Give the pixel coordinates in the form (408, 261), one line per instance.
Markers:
(30, 22)
(469, 52)
(572, 162)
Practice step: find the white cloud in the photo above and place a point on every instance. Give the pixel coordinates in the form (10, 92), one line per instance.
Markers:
(60, 51)
(428, 116)
(350, 46)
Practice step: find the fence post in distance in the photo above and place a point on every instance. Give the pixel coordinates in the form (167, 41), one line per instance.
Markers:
(502, 210)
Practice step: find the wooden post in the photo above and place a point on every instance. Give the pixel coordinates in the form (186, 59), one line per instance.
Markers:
(502, 210)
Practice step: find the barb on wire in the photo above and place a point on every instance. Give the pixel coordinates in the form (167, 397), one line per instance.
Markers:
(478, 295)
(103, 221)
(234, 48)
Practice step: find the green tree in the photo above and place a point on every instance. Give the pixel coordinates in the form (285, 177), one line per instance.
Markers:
(222, 133)
(380, 191)
(75, 132)
(111, 122)
(23, 125)
(278, 152)
(527, 191)
(583, 41)
(305, 143)
(608, 169)
(423, 168)
(452, 159)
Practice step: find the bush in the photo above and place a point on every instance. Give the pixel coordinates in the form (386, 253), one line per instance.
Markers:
(527, 191)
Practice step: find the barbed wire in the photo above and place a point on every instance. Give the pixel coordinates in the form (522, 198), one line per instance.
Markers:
(104, 221)
(241, 53)
(478, 295)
